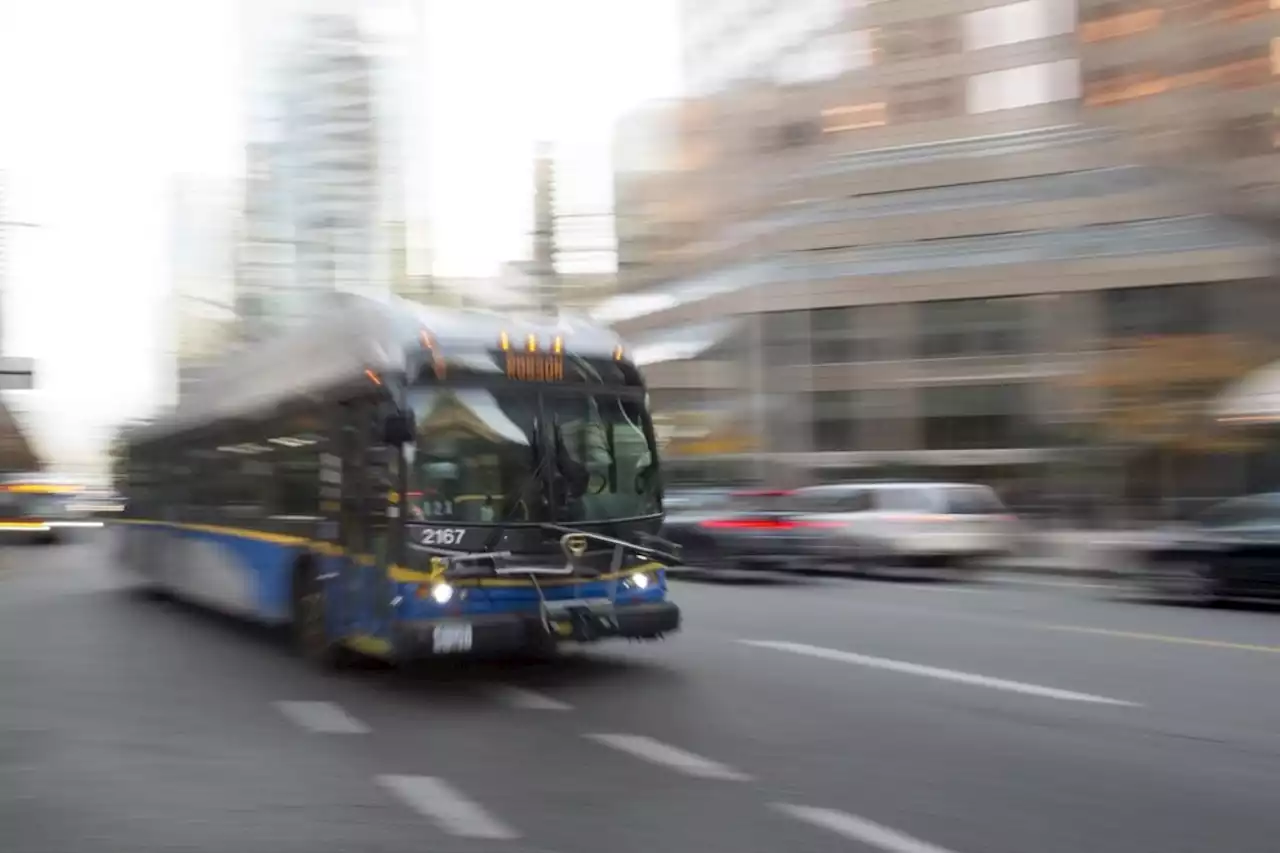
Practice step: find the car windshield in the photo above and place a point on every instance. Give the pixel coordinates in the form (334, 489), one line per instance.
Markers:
(973, 500)
(487, 455)
(33, 505)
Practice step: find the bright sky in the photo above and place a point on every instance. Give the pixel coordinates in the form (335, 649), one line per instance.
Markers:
(101, 103)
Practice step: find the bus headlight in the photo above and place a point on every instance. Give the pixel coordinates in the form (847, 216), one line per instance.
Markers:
(442, 593)
(640, 580)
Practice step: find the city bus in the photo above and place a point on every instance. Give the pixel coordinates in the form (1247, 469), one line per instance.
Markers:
(396, 480)
(40, 507)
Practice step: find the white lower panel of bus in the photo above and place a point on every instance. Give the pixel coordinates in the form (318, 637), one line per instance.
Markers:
(213, 574)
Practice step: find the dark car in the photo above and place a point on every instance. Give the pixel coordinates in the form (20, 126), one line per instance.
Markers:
(1232, 551)
(746, 529)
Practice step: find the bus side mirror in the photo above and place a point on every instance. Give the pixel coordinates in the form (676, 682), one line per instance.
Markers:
(399, 429)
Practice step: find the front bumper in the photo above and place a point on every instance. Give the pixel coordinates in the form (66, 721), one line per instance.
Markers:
(512, 633)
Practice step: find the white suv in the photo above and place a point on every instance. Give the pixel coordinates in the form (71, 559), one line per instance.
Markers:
(876, 526)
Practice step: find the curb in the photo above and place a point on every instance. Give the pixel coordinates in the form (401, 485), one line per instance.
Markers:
(1057, 570)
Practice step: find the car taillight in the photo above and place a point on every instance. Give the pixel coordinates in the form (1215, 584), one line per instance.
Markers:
(747, 524)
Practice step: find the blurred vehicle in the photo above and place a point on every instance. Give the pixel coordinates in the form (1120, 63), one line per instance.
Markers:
(39, 508)
(403, 481)
(98, 503)
(1230, 551)
(750, 529)
(874, 527)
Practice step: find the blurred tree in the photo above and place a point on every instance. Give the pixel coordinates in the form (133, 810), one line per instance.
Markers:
(1153, 399)
(1155, 392)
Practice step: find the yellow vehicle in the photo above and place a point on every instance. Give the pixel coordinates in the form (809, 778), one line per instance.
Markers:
(38, 507)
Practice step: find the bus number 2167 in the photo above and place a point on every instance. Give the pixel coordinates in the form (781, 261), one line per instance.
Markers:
(442, 536)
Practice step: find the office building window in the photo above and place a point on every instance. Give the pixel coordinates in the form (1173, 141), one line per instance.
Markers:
(1246, 68)
(854, 117)
(822, 58)
(1238, 69)
(1251, 136)
(974, 417)
(924, 38)
(1121, 83)
(786, 338)
(1024, 86)
(1175, 309)
(834, 419)
(865, 50)
(847, 335)
(933, 99)
(833, 335)
(1114, 20)
(973, 327)
(1210, 11)
(1018, 22)
(793, 134)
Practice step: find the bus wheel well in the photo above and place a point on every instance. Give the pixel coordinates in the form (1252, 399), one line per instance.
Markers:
(303, 570)
(308, 619)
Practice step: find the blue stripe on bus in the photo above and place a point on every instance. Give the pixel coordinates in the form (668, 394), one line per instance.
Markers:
(267, 560)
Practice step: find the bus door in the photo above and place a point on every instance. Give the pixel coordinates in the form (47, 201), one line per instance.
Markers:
(365, 605)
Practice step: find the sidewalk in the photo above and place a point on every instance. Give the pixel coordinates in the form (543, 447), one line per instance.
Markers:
(1102, 553)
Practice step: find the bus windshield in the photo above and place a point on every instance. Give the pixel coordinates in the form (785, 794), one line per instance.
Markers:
(489, 455)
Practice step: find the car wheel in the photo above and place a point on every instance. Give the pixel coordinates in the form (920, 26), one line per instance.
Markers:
(966, 569)
(1185, 581)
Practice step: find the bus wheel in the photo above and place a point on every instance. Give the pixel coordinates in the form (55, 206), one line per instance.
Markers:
(310, 620)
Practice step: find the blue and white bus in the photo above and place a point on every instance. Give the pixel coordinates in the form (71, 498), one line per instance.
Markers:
(400, 481)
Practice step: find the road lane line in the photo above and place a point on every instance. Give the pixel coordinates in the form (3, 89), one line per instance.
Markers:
(527, 700)
(937, 672)
(656, 752)
(324, 718)
(1018, 580)
(859, 829)
(1163, 638)
(451, 810)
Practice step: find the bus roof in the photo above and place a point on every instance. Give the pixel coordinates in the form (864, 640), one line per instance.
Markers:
(350, 335)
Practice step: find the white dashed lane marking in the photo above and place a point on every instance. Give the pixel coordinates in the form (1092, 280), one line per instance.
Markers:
(324, 718)
(907, 668)
(448, 808)
(528, 700)
(859, 829)
(656, 752)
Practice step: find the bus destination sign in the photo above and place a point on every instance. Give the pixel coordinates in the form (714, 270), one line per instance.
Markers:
(535, 366)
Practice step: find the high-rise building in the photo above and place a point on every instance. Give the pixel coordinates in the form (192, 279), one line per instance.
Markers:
(1197, 83)
(732, 41)
(203, 214)
(919, 262)
(544, 249)
(4, 243)
(335, 107)
(16, 452)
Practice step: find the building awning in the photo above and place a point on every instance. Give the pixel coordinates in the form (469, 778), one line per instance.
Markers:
(702, 433)
(1255, 398)
(1161, 236)
(682, 343)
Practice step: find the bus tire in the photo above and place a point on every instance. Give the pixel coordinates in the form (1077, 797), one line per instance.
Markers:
(309, 622)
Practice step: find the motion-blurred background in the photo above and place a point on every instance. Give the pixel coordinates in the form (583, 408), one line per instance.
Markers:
(1029, 244)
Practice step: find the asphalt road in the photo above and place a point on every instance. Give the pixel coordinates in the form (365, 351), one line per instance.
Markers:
(825, 715)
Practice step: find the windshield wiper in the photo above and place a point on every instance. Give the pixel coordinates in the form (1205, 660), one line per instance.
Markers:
(667, 555)
(570, 470)
(542, 461)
